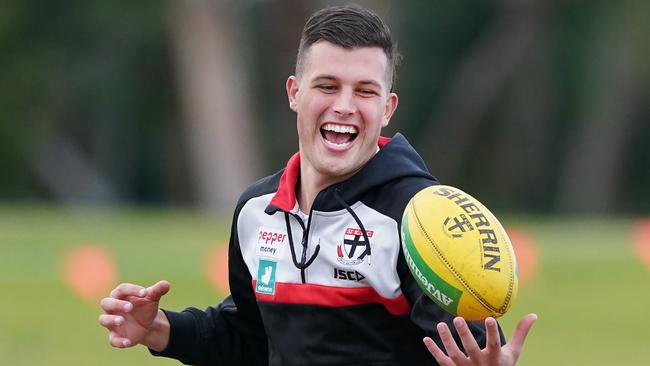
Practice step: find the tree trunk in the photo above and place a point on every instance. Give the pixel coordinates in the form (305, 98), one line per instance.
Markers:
(213, 80)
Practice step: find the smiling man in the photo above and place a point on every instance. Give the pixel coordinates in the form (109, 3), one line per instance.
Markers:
(316, 269)
(342, 99)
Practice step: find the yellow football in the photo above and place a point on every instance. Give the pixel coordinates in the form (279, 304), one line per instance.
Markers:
(459, 253)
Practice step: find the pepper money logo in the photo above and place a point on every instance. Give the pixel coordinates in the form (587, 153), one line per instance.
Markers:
(266, 277)
(354, 248)
(270, 242)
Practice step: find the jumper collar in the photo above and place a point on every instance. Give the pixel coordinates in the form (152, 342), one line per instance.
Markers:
(285, 198)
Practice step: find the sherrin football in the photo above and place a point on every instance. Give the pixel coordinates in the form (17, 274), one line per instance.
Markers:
(459, 253)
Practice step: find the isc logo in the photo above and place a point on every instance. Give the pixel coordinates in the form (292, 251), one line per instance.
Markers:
(348, 275)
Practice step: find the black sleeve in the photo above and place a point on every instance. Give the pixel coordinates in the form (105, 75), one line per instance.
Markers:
(228, 334)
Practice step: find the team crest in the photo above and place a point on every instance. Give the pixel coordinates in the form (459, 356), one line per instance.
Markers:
(455, 227)
(354, 248)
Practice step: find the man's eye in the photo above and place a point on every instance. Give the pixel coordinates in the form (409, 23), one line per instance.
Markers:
(366, 92)
(326, 88)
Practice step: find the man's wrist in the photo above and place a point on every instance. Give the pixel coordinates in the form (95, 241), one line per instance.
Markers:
(158, 337)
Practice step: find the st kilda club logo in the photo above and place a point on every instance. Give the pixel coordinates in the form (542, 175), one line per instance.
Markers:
(354, 248)
(457, 226)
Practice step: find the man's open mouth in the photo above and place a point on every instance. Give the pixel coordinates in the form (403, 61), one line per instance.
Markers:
(338, 134)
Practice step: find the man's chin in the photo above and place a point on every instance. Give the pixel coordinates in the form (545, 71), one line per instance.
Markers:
(339, 171)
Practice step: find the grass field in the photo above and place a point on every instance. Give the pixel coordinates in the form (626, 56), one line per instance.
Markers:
(591, 292)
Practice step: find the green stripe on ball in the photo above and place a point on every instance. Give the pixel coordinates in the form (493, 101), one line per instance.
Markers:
(442, 293)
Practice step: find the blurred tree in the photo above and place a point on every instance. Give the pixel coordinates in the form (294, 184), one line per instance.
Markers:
(86, 100)
(530, 105)
(482, 74)
(609, 110)
(211, 65)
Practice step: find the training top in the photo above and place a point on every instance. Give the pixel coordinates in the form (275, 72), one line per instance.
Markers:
(332, 290)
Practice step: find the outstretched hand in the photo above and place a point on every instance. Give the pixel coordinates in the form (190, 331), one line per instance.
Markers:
(492, 355)
(130, 311)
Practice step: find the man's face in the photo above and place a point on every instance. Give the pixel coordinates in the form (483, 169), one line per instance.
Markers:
(342, 101)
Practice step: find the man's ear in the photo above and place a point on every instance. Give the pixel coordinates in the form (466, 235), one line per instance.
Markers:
(391, 106)
(292, 92)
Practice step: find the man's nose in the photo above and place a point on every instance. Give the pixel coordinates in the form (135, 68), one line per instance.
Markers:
(344, 105)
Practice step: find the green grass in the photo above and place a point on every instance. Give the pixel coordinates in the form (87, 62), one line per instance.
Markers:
(591, 293)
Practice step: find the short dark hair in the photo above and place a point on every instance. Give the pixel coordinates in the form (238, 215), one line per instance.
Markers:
(349, 26)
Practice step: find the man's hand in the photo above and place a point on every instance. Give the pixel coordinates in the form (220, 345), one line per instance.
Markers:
(132, 316)
(492, 355)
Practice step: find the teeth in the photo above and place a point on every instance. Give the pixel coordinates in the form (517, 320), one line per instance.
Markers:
(339, 128)
(338, 145)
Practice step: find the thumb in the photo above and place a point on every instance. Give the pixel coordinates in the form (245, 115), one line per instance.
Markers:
(521, 331)
(157, 290)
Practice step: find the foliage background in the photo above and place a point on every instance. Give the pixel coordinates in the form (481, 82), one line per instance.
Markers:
(532, 105)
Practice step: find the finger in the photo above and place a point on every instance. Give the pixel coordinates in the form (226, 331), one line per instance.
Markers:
(111, 305)
(110, 321)
(157, 290)
(119, 342)
(450, 345)
(521, 331)
(437, 353)
(467, 338)
(127, 289)
(493, 340)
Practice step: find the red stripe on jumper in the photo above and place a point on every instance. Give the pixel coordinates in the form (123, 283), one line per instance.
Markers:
(285, 197)
(298, 293)
(383, 141)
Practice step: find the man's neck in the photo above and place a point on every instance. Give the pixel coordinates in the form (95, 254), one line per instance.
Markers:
(311, 183)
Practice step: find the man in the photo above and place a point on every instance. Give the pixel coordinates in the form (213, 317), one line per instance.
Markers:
(316, 271)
